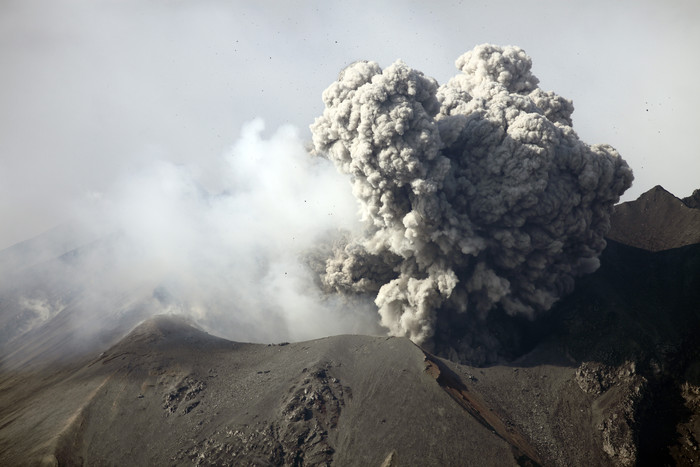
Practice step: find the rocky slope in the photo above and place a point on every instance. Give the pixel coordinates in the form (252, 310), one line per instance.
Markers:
(169, 394)
(657, 221)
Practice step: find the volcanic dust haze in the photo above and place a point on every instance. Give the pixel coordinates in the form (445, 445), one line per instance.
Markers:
(435, 205)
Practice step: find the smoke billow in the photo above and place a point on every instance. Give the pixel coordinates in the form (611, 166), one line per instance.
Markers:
(478, 195)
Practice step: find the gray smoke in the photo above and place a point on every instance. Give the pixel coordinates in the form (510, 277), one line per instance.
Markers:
(477, 194)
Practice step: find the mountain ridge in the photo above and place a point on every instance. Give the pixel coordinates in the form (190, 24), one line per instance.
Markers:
(666, 221)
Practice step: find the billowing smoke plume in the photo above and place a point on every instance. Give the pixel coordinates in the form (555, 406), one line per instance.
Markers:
(478, 194)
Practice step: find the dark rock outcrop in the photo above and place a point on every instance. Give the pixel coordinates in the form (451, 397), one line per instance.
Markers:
(656, 221)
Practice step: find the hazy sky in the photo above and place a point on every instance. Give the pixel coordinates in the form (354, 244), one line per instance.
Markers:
(92, 91)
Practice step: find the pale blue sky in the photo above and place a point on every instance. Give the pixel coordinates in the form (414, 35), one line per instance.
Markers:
(90, 90)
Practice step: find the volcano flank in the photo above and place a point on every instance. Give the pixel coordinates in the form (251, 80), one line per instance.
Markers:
(610, 376)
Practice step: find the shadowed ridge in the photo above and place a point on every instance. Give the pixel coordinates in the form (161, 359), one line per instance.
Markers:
(656, 221)
(693, 201)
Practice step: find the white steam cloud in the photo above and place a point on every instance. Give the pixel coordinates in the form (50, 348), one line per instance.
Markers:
(478, 194)
(231, 260)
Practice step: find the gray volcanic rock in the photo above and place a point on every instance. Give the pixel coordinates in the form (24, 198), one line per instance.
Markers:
(693, 201)
(656, 221)
(169, 394)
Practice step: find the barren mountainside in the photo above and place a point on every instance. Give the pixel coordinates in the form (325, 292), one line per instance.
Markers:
(609, 376)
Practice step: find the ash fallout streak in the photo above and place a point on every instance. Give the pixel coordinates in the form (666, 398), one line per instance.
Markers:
(477, 195)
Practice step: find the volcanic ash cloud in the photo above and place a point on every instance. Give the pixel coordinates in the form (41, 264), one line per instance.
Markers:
(477, 194)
